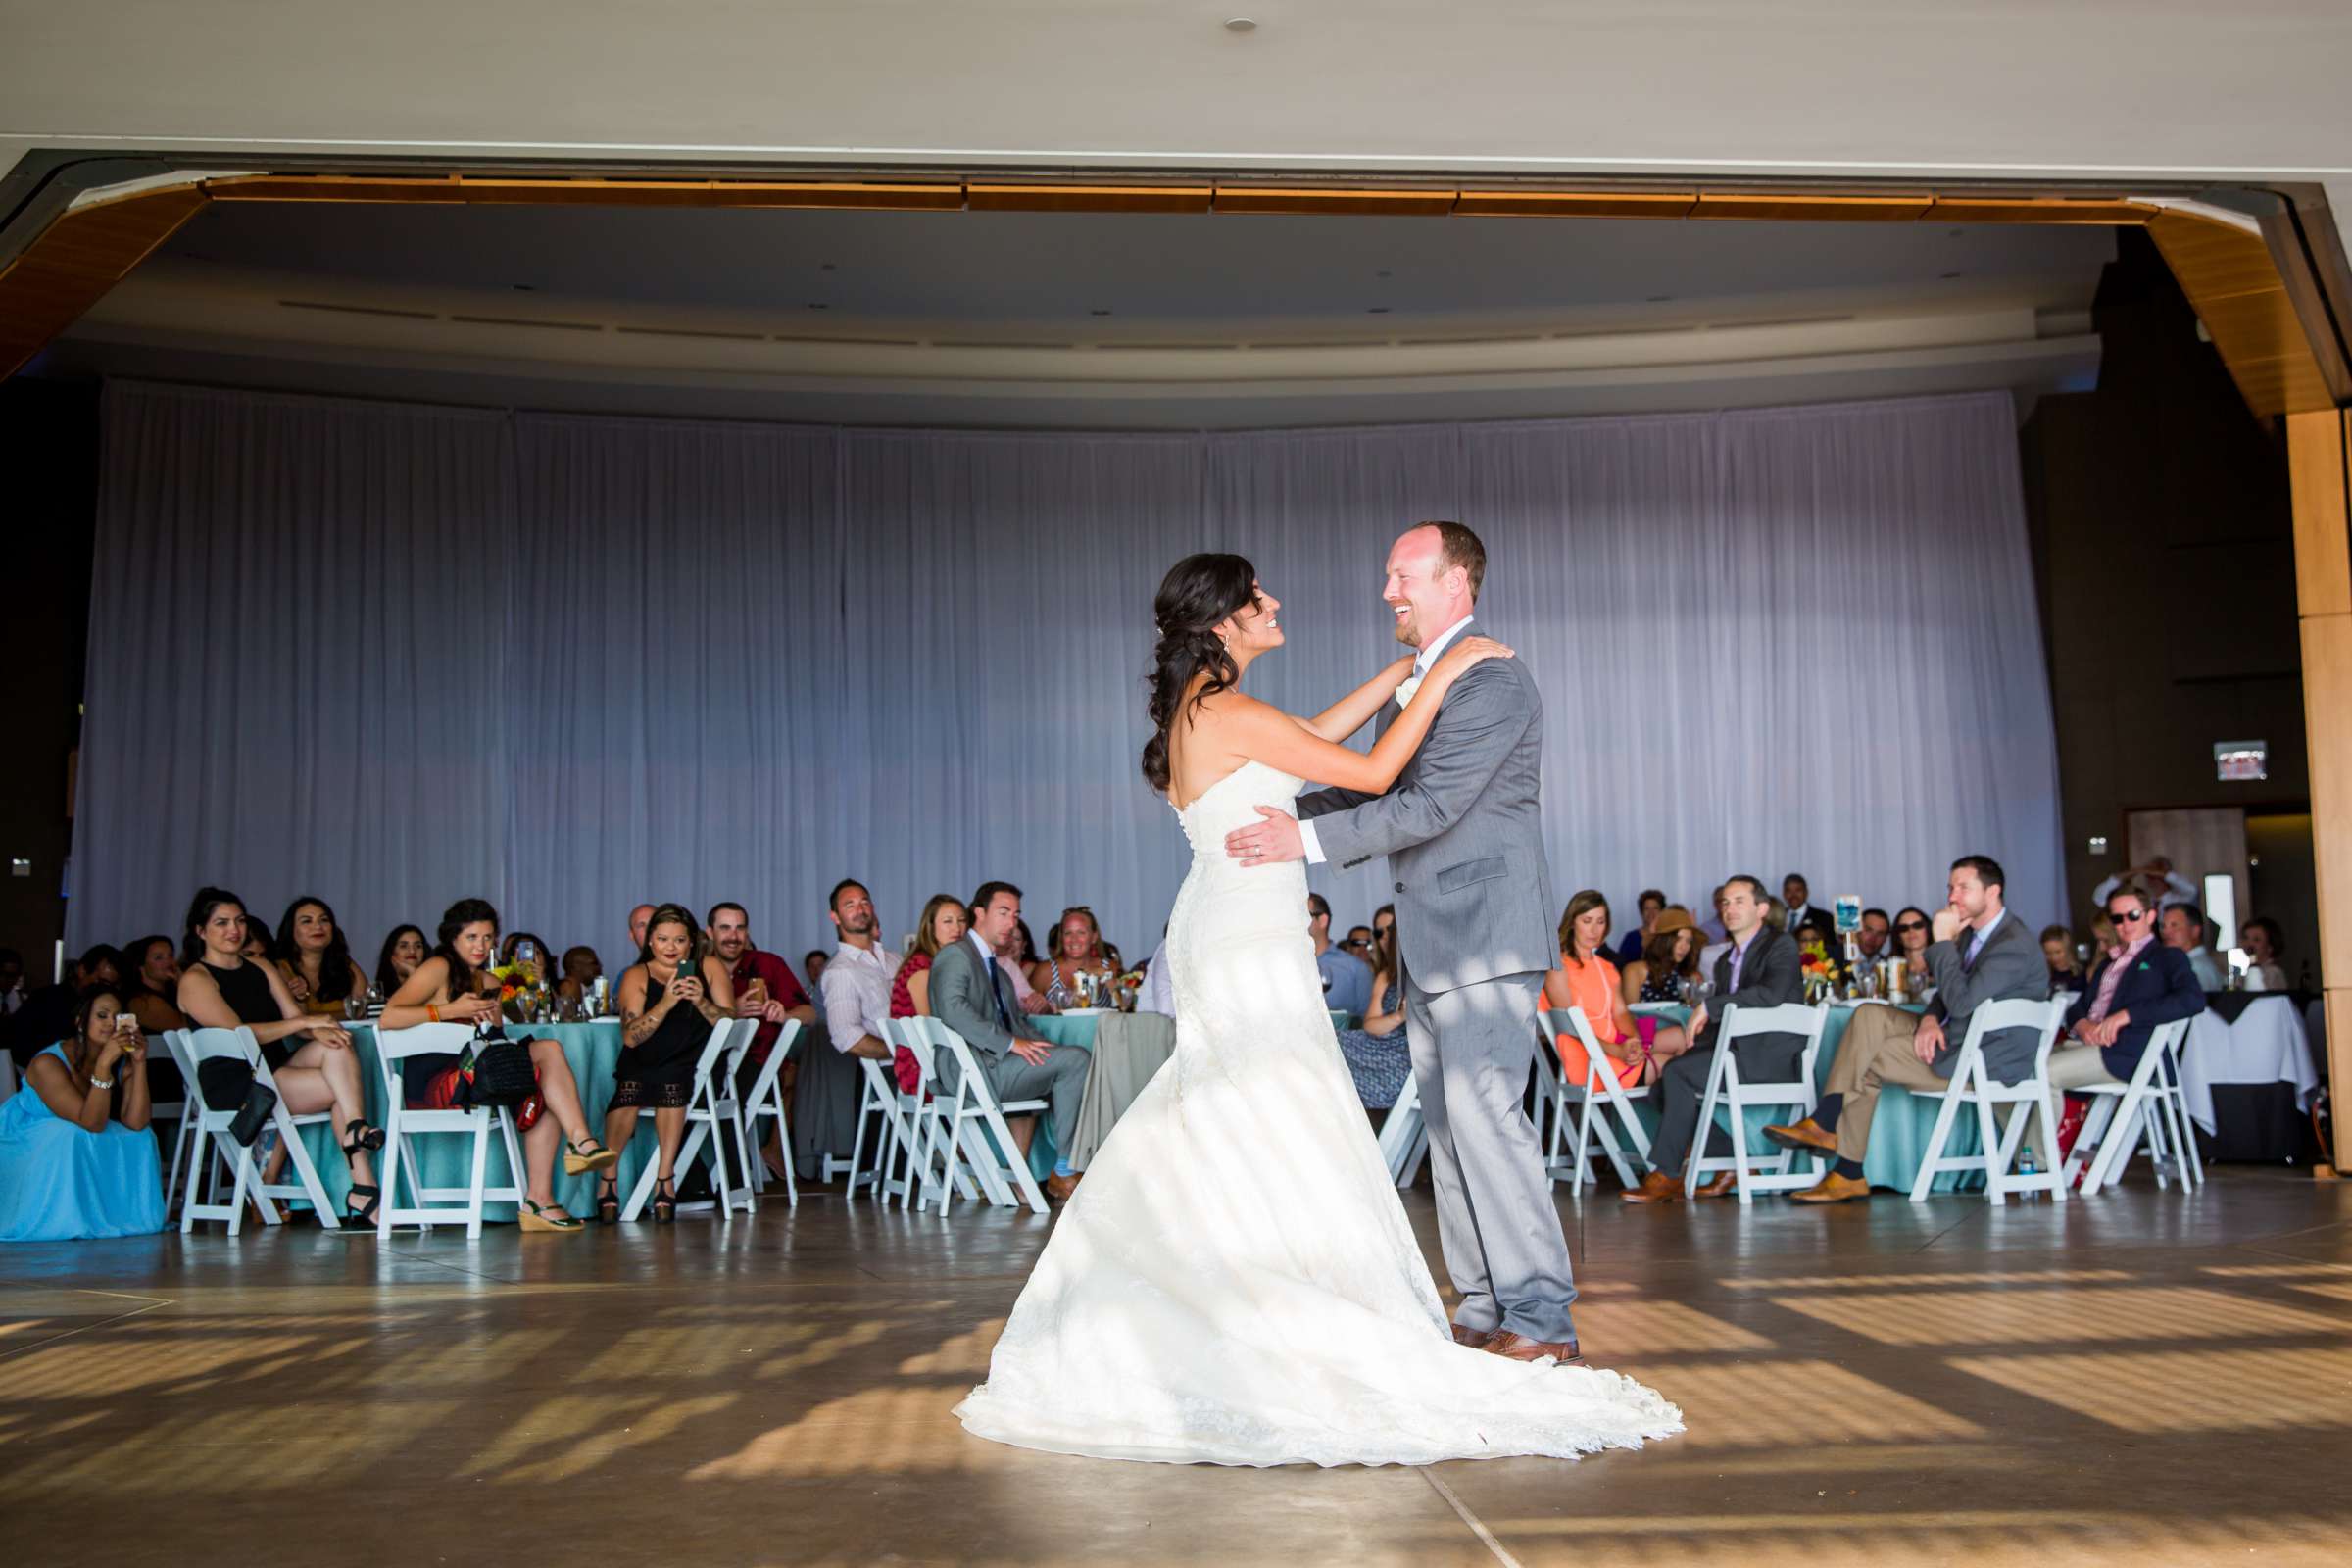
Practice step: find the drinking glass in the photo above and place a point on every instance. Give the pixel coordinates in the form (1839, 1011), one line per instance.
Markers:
(354, 1007)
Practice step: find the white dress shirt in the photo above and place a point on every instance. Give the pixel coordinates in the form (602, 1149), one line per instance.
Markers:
(1159, 986)
(855, 989)
(1422, 660)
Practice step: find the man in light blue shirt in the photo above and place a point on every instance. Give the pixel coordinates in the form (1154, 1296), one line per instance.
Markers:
(1346, 979)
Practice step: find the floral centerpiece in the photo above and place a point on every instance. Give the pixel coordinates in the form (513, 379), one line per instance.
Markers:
(521, 991)
(1821, 969)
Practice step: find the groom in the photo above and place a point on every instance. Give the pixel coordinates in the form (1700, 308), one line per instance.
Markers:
(1463, 832)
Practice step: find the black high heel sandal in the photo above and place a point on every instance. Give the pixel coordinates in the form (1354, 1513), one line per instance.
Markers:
(368, 1137)
(666, 1200)
(607, 1202)
(361, 1221)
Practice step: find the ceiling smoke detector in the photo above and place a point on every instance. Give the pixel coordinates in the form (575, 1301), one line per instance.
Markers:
(1240, 23)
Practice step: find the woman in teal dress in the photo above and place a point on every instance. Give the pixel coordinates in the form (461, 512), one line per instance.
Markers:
(76, 1158)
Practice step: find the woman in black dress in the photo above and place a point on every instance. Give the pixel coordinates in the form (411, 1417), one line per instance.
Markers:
(454, 985)
(310, 1056)
(670, 999)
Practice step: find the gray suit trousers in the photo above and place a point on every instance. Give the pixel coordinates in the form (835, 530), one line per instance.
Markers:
(1472, 1048)
(1061, 1080)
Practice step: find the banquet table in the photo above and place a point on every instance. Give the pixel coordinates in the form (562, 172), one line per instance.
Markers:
(2248, 1070)
(1899, 1134)
(591, 1050)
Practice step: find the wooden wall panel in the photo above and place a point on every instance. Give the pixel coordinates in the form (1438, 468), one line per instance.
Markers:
(74, 262)
(2236, 289)
(2320, 465)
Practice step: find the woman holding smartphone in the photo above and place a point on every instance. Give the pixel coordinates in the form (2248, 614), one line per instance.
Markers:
(76, 1158)
(670, 999)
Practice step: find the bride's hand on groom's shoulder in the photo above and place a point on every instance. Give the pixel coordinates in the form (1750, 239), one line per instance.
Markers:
(1468, 652)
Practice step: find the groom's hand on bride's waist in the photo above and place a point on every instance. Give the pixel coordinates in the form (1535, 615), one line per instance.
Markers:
(1266, 842)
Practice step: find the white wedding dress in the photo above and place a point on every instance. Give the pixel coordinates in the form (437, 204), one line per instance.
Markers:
(1235, 1281)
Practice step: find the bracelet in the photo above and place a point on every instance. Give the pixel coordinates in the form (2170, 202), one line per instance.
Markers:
(432, 1012)
(102, 1083)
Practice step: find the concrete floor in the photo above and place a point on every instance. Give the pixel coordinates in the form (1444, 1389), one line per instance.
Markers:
(2143, 1379)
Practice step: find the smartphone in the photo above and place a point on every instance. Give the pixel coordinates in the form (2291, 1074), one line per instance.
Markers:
(1849, 914)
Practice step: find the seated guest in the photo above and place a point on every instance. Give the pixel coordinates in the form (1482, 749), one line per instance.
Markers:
(670, 999)
(2103, 941)
(1358, 942)
(12, 982)
(2157, 877)
(315, 960)
(640, 918)
(2058, 954)
(542, 956)
(258, 940)
(1587, 980)
(1877, 930)
(150, 980)
(1346, 978)
(310, 1055)
(1759, 969)
(1016, 956)
(1077, 949)
(1796, 902)
(944, 924)
(1981, 954)
(47, 1015)
(1649, 903)
(1912, 934)
(1719, 940)
(1383, 920)
(581, 970)
(76, 1158)
(858, 978)
(813, 964)
(455, 985)
(1378, 1055)
(2183, 929)
(969, 997)
(397, 959)
(1668, 960)
(2266, 953)
(766, 989)
(2125, 1000)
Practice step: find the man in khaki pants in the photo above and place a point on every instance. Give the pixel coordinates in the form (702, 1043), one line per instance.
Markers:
(1980, 954)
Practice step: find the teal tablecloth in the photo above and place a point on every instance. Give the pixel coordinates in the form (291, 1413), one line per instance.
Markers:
(1905, 1122)
(592, 1051)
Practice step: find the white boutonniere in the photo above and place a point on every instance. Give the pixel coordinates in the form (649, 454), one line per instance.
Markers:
(1405, 689)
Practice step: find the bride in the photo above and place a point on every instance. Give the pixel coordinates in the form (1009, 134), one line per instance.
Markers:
(1236, 1281)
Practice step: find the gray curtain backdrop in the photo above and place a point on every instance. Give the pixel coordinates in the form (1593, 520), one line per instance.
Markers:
(395, 656)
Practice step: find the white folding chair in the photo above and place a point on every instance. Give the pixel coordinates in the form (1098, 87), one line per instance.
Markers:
(894, 1113)
(712, 1115)
(973, 1126)
(439, 1206)
(211, 1136)
(1772, 1172)
(175, 1042)
(2027, 1099)
(2149, 1111)
(1403, 1135)
(931, 1168)
(1601, 1089)
(765, 1098)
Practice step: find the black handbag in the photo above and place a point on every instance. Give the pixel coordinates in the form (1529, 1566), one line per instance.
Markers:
(224, 1081)
(495, 1072)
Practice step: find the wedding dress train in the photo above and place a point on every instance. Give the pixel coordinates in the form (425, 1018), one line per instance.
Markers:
(1235, 1281)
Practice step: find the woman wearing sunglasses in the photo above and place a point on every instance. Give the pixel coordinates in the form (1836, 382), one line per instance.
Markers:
(1911, 939)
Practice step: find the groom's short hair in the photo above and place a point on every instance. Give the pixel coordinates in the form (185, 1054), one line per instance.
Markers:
(1459, 547)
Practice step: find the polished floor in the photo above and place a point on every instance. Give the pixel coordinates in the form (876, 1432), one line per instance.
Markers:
(2145, 1378)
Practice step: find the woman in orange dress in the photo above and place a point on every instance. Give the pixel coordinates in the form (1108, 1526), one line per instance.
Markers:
(1586, 979)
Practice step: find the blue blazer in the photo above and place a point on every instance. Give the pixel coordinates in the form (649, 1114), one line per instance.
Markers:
(2160, 988)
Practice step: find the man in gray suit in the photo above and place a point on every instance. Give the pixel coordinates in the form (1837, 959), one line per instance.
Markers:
(1980, 953)
(1463, 832)
(972, 995)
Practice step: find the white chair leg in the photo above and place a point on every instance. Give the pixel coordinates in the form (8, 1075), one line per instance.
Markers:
(1738, 1119)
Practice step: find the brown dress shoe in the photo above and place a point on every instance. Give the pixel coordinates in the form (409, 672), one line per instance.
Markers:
(1806, 1134)
(1723, 1186)
(1515, 1347)
(1656, 1188)
(1833, 1189)
(1060, 1188)
(1475, 1339)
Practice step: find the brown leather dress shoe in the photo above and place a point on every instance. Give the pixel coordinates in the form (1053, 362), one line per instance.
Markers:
(1656, 1188)
(1806, 1134)
(1060, 1188)
(1515, 1347)
(1475, 1339)
(1833, 1189)
(1723, 1186)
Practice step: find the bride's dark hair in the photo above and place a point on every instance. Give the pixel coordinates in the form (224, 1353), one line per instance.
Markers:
(1199, 593)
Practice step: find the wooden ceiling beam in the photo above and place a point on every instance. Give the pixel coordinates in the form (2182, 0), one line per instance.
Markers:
(76, 260)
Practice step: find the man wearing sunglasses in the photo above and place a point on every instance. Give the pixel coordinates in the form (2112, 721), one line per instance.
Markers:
(2144, 984)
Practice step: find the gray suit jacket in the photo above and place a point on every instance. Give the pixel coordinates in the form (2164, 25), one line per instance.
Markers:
(959, 999)
(2009, 967)
(1462, 829)
(1771, 976)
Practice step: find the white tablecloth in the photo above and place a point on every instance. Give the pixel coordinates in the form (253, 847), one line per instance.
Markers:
(2266, 1044)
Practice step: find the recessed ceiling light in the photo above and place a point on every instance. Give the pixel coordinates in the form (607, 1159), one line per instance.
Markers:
(1659, 299)
(1384, 275)
(1947, 276)
(815, 306)
(1377, 310)
(824, 266)
(526, 289)
(1241, 24)
(1098, 312)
